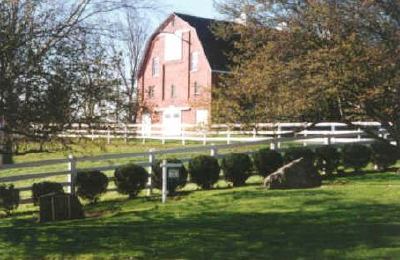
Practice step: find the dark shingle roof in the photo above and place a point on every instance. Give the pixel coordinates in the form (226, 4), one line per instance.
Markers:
(215, 48)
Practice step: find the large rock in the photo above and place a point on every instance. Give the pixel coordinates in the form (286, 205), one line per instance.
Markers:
(296, 174)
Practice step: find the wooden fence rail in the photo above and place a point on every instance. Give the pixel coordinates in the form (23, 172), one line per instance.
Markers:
(218, 132)
(148, 158)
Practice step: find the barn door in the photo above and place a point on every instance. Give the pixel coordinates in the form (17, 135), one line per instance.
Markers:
(172, 122)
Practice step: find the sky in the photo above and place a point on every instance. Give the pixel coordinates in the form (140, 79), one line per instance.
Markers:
(202, 8)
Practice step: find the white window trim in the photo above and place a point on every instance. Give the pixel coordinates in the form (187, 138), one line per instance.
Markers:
(173, 93)
(196, 86)
(155, 67)
(196, 67)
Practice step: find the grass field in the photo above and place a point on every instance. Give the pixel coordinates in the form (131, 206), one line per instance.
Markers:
(349, 217)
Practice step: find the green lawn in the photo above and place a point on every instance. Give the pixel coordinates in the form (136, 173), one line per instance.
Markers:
(352, 217)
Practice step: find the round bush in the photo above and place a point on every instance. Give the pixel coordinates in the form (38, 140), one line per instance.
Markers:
(327, 159)
(267, 161)
(356, 156)
(130, 179)
(237, 168)
(384, 155)
(295, 153)
(172, 184)
(204, 171)
(9, 198)
(91, 184)
(43, 188)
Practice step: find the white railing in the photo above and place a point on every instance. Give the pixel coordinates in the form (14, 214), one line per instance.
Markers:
(222, 132)
(146, 159)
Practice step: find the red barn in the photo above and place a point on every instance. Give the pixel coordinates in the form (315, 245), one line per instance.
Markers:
(181, 64)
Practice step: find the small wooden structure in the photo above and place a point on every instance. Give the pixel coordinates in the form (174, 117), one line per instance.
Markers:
(56, 206)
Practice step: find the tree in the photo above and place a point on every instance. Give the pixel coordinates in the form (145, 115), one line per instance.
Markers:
(44, 81)
(133, 33)
(315, 60)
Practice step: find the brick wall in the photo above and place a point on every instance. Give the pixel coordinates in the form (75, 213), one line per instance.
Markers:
(176, 73)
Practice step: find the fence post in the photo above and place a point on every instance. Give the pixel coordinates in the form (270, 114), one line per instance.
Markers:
(150, 171)
(204, 137)
(332, 138)
(254, 133)
(328, 140)
(72, 174)
(277, 143)
(164, 181)
(126, 133)
(228, 138)
(273, 145)
(213, 151)
(305, 136)
(183, 137)
(359, 134)
(108, 136)
(142, 134)
(92, 131)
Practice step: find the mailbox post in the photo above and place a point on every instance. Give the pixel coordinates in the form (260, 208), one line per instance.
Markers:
(170, 171)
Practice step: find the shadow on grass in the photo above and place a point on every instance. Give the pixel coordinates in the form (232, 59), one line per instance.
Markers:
(202, 230)
(367, 177)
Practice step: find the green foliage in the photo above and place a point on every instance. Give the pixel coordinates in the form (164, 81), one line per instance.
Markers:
(327, 159)
(384, 154)
(237, 168)
(204, 171)
(91, 184)
(43, 188)
(172, 184)
(9, 198)
(130, 179)
(295, 153)
(331, 60)
(267, 161)
(356, 156)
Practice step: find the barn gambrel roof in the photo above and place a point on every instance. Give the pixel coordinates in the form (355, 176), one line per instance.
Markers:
(215, 48)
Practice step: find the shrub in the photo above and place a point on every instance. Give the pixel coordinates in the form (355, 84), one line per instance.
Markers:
(172, 184)
(327, 159)
(237, 168)
(91, 184)
(356, 156)
(43, 188)
(9, 198)
(130, 179)
(295, 153)
(204, 171)
(267, 161)
(384, 154)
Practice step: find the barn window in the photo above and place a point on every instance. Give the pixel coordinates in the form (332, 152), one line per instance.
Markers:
(196, 89)
(155, 68)
(173, 46)
(173, 91)
(194, 61)
(151, 91)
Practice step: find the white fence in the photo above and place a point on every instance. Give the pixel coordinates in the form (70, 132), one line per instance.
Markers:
(224, 133)
(146, 159)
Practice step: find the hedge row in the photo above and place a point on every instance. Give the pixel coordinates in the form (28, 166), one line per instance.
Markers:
(204, 170)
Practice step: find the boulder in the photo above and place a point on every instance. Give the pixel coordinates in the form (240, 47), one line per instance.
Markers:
(296, 174)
